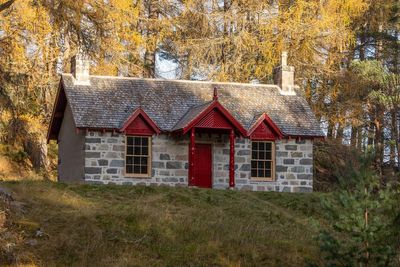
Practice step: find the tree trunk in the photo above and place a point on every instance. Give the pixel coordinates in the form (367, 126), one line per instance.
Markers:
(331, 125)
(371, 129)
(225, 35)
(187, 67)
(339, 133)
(6, 5)
(379, 140)
(353, 137)
(393, 142)
(362, 47)
(360, 138)
(396, 136)
(151, 43)
(36, 148)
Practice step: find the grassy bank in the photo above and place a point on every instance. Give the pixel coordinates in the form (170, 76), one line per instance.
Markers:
(56, 224)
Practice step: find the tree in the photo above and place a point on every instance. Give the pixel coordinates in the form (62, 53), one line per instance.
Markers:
(38, 39)
(363, 216)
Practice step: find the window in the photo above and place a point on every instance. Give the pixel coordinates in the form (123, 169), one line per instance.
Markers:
(262, 160)
(137, 158)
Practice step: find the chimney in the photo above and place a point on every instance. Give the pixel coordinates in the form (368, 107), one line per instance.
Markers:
(284, 76)
(80, 66)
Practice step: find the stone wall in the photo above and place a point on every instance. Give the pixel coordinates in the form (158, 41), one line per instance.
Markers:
(294, 168)
(104, 162)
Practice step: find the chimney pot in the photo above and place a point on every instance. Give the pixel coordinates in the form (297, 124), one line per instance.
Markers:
(284, 58)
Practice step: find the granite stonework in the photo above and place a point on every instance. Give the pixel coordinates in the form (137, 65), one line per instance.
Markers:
(105, 161)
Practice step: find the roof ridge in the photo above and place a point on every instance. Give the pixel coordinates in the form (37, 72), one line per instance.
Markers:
(177, 80)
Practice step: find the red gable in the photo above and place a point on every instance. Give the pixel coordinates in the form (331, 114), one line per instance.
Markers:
(215, 116)
(265, 129)
(214, 119)
(139, 123)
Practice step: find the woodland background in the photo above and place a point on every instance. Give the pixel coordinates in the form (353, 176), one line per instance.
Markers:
(346, 55)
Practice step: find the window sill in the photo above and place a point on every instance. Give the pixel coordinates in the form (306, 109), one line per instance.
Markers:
(137, 176)
(262, 180)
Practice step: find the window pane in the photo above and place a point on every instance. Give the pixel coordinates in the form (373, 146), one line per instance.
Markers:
(129, 150)
(253, 164)
(145, 141)
(137, 141)
(254, 155)
(136, 169)
(253, 173)
(137, 150)
(261, 164)
(143, 169)
(268, 173)
(128, 168)
(129, 160)
(260, 173)
(129, 141)
(145, 150)
(268, 155)
(261, 155)
(254, 145)
(261, 146)
(136, 161)
(143, 160)
(268, 165)
(268, 146)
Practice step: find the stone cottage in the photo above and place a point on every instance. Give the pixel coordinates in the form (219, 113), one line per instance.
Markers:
(118, 130)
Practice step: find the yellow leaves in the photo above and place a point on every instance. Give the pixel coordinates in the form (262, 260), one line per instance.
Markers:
(122, 5)
(33, 123)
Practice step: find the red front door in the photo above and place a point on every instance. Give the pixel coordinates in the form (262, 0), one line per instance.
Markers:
(203, 165)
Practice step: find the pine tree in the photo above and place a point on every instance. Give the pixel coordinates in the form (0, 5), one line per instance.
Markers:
(363, 216)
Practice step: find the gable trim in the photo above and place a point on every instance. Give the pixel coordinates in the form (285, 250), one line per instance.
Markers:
(139, 112)
(215, 105)
(269, 122)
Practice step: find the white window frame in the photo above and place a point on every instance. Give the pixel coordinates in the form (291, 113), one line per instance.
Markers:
(149, 157)
(272, 160)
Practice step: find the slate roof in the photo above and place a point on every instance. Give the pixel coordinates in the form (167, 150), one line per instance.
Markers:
(109, 101)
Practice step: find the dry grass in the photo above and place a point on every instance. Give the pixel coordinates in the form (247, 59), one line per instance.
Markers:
(88, 225)
(10, 170)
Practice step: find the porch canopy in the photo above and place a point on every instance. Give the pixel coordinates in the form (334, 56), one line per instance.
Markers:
(211, 117)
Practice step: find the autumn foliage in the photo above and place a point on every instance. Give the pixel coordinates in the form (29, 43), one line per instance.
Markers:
(229, 40)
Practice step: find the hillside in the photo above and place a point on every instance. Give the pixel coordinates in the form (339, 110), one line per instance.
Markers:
(88, 225)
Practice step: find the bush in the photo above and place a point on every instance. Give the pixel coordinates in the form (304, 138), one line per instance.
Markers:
(13, 153)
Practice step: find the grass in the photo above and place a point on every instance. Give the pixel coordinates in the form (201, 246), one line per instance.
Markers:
(93, 225)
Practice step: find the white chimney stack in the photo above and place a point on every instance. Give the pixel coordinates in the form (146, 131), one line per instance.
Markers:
(80, 69)
(284, 76)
